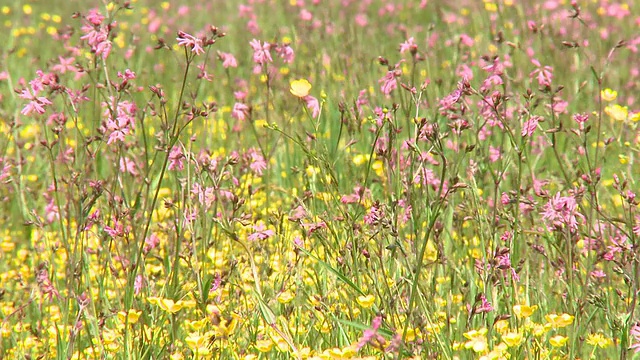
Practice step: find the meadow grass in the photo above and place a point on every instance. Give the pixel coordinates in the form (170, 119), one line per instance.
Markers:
(319, 180)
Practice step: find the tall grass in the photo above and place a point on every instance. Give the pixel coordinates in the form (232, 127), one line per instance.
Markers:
(319, 180)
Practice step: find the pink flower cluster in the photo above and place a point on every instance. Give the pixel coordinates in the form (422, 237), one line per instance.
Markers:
(561, 212)
(96, 34)
(120, 119)
(37, 103)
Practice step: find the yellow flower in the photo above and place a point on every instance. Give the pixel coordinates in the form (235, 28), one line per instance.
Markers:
(281, 343)
(512, 339)
(617, 112)
(524, 311)
(559, 321)
(303, 353)
(198, 343)
(7, 246)
(196, 324)
(411, 334)
(624, 159)
(498, 353)
(109, 336)
(598, 340)
(131, 318)
(176, 356)
(608, 95)
(360, 159)
(366, 301)
(477, 340)
(300, 88)
(226, 326)
(195, 340)
(169, 305)
(264, 345)
(285, 297)
(558, 340)
(344, 353)
(501, 326)
(538, 329)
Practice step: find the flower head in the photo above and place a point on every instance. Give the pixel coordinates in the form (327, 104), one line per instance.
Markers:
(300, 88)
(190, 41)
(261, 52)
(608, 95)
(524, 311)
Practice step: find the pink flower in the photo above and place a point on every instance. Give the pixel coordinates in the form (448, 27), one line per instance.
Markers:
(44, 283)
(559, 106)
(361, 20)
(204, 74)
(388, 82)
(261, 52)
(64, 65)
(120, 119)
(96, 34)
(240, 111)
(466, 40)
(313, 105)
(313, 227)
(465, 72)
(375, 215)
(561, 212)
(240, 95)
(260, 233)
(116, 231)
(258, 164)
(127, 75)
(206, 196)
(362, 100)
(581, 118)
(485, 305)
(5, 166)
(286, 53)
(138, 284)
(635, 337)
(305, 15)
(36, 103)
(190, 41)
(409, 45)
(94, 17)
(494, 154)
(530, 125)
(371, 335)
(253, 27)
(228, 60)
(298, 213)
(52, 211)
(151, 243)
(176, 158)
(128, 166)
(544, 74)
(245, 11)
(448, 101)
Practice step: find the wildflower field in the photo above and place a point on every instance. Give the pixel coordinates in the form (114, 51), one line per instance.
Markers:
(307, 179)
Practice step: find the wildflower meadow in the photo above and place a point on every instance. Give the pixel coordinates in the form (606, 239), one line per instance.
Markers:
(319, 179)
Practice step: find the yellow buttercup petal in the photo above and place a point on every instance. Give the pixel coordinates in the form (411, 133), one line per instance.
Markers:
(300, 88)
